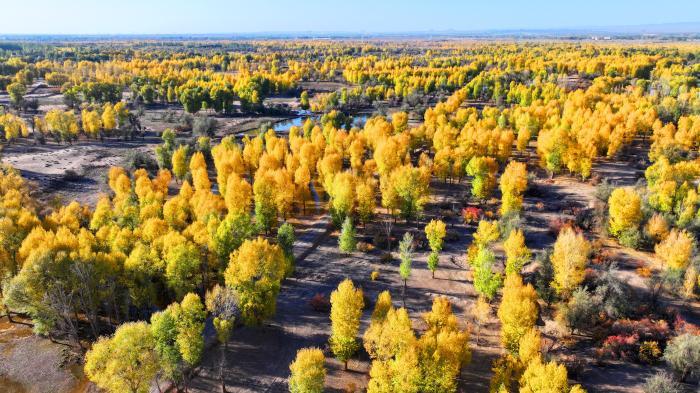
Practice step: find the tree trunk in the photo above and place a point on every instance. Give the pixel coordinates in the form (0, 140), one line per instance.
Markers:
(403, 293)
(221, 367)
(346, 365)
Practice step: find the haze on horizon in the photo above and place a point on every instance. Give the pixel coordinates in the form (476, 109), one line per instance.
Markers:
(357, 16)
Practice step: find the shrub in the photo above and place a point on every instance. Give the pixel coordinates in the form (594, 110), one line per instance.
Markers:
(649, 352)
(471, 214)
(661, 382)
(604, 190)
(319, 302)
(657, 228)
(386, 258)
(683, 355)
(374, 275)
(579, 313)
(204, 126)
(137, 160)
(364, 247)
(621, 346)
(645, 328)
(631, 238)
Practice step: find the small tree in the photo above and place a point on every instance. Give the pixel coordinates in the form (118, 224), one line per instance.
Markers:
(308, 371)
(346, 310)
(222, 303)
(406, 255)
(304, 100)
(285, 239)
(347, 242)
(486, 281)
(435, 232)
(179, 162)
(480, 312)
(517, 253)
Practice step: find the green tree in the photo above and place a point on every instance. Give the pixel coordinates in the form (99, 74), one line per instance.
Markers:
(285, 239)
(486, 281)
(406, 256)
(346, 241)
(304, 100)
(16, 91)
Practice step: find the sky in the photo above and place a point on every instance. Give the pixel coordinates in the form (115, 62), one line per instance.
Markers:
(356, 16)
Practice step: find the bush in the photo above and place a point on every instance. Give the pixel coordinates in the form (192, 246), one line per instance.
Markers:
(204, 126)
(140, 160)
(683, 355)
(649, 352)
(374, 275)
(71, 175)
(386, 258)
(579, 313)
(621, 346)
(604, 190)
(508, 222)
(320, 303)
(646, 329)
(631, 238)
(661, 382)
(364, 247)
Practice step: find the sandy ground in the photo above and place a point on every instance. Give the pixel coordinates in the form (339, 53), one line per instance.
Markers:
(31, 364)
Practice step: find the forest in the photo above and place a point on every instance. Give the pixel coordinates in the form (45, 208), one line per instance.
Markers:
(349, 216)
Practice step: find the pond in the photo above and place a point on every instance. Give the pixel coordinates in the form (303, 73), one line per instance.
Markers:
(284, 125)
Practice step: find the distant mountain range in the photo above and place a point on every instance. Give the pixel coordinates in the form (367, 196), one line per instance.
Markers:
(685, 30)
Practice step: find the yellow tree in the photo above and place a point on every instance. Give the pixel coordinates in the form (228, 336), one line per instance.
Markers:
(517, 253)
(569, 260)
(180, 162)
(346, 309)
(308, 371)
(676, 250)
(109, 117)
(625, 208)
(256, 270)
(517, 312)
(92, 124)
(513, 183)
(126, 362)
(435, 232)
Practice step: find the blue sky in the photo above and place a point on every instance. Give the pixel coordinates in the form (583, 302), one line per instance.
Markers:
(234, 16)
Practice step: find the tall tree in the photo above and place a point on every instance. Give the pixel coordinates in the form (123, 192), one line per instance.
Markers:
(347, 303)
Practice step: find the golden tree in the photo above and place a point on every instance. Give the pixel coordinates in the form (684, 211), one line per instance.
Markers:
(676, 250)
(517, 312)
(308, 371)
(569, 260)
(346, 310)
(625, 208)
